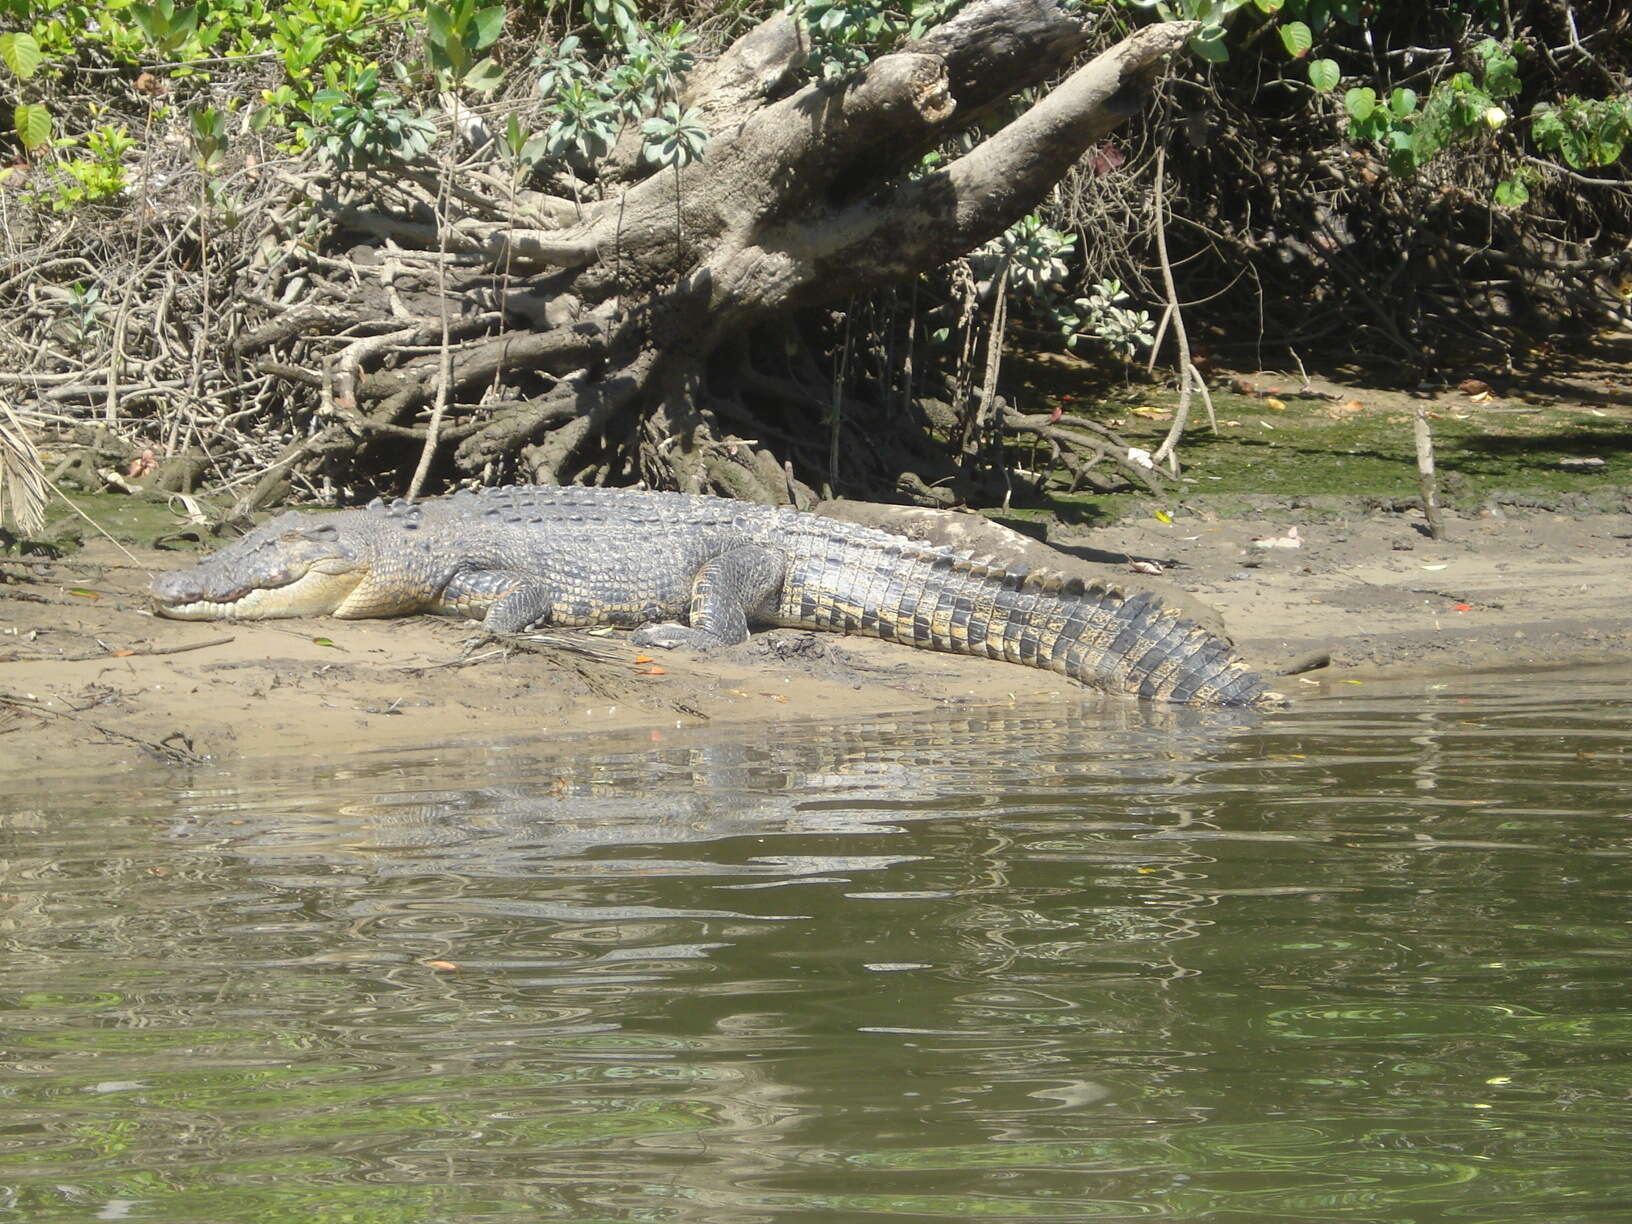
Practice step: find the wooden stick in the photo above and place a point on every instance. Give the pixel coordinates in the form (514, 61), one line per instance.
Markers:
(162, 749)
(1425, 474)
(1168, 450)
(72, 562)
(18, 657)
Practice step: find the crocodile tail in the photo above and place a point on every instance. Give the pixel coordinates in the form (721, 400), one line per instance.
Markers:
(1096, 633)
(1137, 644)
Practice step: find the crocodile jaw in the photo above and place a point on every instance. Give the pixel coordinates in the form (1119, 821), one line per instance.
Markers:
(317, 592)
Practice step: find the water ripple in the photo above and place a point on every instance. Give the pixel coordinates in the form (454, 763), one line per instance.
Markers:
(1360, 961)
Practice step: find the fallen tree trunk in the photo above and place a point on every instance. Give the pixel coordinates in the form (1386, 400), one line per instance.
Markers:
(612, 339)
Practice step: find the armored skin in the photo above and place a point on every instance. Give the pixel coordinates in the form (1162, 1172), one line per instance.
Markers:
(696, 572)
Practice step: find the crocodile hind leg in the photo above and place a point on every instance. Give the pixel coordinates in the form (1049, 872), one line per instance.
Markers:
(726, 591)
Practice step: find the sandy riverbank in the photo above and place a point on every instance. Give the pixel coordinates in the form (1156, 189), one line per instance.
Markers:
(90, 679)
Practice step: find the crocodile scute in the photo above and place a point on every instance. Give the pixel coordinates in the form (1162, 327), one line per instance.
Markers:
(698, 572)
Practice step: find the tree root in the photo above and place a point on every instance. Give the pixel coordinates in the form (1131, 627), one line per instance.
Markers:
(438, 312)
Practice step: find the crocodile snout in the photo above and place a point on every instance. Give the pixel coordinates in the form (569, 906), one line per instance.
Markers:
(176, 587)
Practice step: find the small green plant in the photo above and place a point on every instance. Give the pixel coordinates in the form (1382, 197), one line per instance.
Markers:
(1037, 258)
(1208, 42)
(298, 42)
(1585, 132)
(319, 43)
(616, 21)
(525, 149)
(590, 103)
(169, 30)
(85, 310)
(1036, 253)
(562, 66)
(99, 175)
(360, 125)
(207, 129)
(846, 34)
(645, 79)
(672, 138)
(1102, 316)
(456, 36)
(1413, 130)
(585, 124)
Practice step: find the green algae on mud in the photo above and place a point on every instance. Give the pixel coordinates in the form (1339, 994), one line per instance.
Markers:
(143, 520)
(1305, 450)
(1557, 436)
(1576, 459)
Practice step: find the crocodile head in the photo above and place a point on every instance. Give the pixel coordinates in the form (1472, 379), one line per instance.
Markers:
(294, 565)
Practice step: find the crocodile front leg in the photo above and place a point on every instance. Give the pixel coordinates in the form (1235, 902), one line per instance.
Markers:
(505, 601)
(728, 590)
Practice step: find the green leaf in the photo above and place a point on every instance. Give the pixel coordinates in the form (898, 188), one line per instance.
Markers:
(1373, 127)
(1297, 39)
(33, 124)
(535, 150)
(439, 23)
(1360, 103)
(21, 54)
(454, 57)
(1269, 6)
(1425, 142)
(1212, 50)
(488, 24)
(155, 25)
(1510, 193)
(1501, 68)
(1546, 125)
(1402, 101)
(485, 76)
(1324, 75)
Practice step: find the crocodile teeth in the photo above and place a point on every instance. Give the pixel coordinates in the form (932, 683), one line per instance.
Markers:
(201, 609)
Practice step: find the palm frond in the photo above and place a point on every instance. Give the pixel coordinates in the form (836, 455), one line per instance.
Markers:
(23, 488)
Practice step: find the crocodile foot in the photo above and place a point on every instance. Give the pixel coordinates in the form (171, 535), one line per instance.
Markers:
(671, 635)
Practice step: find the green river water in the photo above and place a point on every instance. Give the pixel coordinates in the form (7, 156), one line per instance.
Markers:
(1368, 959)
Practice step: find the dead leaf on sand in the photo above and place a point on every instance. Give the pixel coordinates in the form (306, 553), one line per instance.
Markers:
(1289, 540)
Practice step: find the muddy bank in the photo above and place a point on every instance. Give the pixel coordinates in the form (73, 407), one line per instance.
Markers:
(89, 678)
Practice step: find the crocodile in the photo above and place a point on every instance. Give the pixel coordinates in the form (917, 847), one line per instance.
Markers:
(694, 572)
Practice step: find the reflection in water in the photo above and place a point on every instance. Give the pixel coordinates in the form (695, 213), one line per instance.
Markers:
(1361, 961)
